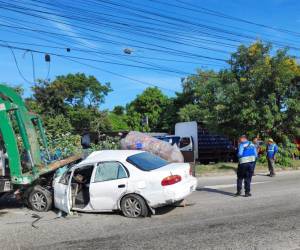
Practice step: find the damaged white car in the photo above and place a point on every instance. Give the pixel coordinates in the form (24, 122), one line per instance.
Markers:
(135, 182)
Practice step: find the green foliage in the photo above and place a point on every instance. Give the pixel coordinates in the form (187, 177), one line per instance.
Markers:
(152, 103)
(67, 144)
(70, 91)
(119, 110)
(285, 154)
(258, 95)
(76, 97)
(108, 143)
(284, 157)
(118, 122)
(57, 127)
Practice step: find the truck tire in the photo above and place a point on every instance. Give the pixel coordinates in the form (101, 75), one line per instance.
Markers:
(40, 199)
(134, 206)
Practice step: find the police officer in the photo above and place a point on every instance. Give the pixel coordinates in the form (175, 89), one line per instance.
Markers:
(272, 149)
(247, 155)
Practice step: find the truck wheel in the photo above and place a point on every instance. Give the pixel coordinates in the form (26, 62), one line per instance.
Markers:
(134, 206)
(40, 199)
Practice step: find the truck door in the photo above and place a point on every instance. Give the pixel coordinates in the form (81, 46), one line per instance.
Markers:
(186, 146)
(62, 192)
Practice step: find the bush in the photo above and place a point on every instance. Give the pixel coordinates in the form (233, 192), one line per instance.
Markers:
(67, 145)
(106, 144)
(285, 155)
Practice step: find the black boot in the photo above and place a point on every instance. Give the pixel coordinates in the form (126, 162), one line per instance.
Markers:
(248, 194)
(238, 193)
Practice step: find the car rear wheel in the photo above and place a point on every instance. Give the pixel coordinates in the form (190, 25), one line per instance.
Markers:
(40, 199)
(134, 206)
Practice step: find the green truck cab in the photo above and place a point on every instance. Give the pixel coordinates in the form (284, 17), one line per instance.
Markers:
(23, 141)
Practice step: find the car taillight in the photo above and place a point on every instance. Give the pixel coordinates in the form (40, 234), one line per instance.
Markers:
(170, 180)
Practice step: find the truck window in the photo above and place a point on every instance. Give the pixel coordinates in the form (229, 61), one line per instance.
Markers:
(185, 141)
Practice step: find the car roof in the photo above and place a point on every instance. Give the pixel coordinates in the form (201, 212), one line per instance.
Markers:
(108, 155)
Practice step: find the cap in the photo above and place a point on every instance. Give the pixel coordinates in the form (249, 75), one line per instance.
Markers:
(271, 140)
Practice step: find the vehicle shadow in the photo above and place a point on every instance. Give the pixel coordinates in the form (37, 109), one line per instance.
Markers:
(165, 210)
(217, 191)
(8, 202)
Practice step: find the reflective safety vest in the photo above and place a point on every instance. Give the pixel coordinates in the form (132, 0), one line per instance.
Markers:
(247, 152)
(272, 149)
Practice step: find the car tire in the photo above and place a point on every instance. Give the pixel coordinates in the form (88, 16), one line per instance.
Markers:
(40, 199)
(134, 206)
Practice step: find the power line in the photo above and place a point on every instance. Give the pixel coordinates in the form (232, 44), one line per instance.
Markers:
(107, 53)
(114, 35)
(93, 60)
(121, 75)
(74, 60)
(17, 65)
(223, 15)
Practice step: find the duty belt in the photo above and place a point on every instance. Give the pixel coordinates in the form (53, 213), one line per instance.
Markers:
(247, 159)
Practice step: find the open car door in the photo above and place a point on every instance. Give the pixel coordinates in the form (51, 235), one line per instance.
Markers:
(62, 192)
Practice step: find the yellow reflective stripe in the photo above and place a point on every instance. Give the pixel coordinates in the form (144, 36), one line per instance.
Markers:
(247, 159)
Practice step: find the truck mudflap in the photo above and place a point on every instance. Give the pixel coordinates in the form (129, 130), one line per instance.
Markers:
(5, 185)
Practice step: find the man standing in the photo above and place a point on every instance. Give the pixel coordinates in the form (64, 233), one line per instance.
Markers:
(257, 147)
(272, 149)
(247, 156)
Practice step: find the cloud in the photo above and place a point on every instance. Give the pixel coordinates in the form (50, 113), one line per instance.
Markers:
(67, 29)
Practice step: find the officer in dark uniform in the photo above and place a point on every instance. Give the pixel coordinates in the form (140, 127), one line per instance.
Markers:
(247, 155)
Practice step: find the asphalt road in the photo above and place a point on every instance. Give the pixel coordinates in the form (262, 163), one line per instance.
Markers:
(213, 219)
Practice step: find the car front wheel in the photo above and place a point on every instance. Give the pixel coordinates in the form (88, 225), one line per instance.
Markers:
(134, 206)
(40, 199)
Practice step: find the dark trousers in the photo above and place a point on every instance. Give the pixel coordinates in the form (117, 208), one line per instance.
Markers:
(271, 165)
(245, 172)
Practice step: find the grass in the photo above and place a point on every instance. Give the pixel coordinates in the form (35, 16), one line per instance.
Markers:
(224, 168)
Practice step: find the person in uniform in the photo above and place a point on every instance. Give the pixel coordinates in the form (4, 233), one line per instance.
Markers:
(272, 150)
(247, 155)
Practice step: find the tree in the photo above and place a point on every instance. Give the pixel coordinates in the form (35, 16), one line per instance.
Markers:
(262, 93)
(72, 90)
(152, 103)
(257, 95)
(119, 110)
(76, 97)
(118, 122)
(200, 97)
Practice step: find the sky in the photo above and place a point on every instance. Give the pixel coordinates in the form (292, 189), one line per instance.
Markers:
(168, 40)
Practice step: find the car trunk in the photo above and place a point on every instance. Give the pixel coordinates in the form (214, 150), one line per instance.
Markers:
(182, 169)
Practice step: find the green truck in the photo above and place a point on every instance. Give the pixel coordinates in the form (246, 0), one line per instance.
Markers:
(26, 168)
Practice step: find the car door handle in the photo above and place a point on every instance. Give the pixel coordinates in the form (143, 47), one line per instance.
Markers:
(121, 186)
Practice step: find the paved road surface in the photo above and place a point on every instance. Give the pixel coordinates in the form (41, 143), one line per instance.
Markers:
(213, 220)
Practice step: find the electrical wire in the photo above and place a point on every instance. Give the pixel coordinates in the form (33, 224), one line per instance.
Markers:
(17, 64)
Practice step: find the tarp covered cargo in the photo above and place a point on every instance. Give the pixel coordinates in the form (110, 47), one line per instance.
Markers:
(140, 141)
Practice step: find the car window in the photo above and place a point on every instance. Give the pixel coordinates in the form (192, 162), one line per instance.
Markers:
(108, 171)
(146, 161)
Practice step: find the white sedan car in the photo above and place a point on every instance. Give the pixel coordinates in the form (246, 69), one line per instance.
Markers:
(127, 180)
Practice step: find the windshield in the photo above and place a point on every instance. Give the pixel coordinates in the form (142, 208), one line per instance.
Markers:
(146, 161)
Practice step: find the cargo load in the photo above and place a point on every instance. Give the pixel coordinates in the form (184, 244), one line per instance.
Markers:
(140, 141)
